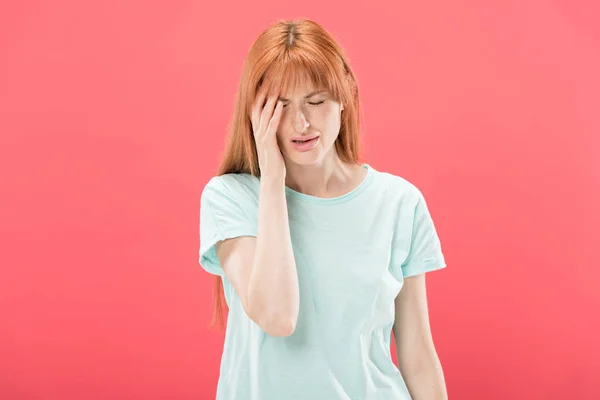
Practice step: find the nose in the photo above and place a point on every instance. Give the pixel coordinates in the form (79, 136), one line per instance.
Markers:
(300, 122)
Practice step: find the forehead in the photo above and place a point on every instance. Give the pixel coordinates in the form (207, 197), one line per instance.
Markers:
(295, 83)
(301, 90)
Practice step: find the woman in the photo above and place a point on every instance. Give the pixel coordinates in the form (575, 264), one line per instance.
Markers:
(311, 246)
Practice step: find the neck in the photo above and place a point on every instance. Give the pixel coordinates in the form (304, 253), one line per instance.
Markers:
(323, 179)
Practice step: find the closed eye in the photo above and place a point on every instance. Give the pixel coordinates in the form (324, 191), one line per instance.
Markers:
(312, 104)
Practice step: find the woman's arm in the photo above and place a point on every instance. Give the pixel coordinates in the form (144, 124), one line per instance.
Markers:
(417, 358)
(262, 269)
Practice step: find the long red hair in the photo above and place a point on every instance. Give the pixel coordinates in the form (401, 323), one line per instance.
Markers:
(283, 55)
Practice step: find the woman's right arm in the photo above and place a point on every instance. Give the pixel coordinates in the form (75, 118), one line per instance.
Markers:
(262, 270)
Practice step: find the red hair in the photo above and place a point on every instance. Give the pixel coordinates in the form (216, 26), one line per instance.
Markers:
(283, 55)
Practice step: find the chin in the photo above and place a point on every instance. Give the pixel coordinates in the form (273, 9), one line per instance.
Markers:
(312, 157)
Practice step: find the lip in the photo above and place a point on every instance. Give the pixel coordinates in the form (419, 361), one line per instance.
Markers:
(304, 138)
(308, 144)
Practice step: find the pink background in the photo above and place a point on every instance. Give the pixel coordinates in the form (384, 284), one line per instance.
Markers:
(112, 118)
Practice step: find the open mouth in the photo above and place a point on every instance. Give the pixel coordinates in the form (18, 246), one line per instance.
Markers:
(300, 141)
(304, 145)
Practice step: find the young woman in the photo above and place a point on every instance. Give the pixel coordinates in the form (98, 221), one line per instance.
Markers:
(320, 256)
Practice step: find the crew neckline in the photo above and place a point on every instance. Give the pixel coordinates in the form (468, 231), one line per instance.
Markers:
(334, 200)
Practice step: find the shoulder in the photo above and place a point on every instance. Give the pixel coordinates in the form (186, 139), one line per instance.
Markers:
(398, 186)
(230, 182)
(236, 186)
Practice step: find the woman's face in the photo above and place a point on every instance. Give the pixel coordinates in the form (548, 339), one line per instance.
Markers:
(309, 125)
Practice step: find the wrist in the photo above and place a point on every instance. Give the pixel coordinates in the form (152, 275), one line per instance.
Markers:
(273, 182)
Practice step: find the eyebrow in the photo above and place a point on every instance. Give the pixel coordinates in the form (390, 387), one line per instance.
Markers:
(307, 96)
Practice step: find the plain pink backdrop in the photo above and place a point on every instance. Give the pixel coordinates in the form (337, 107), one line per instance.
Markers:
(112, 118)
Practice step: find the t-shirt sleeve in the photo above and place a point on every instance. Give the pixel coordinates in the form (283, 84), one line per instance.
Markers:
(425, 251)
(222, 216)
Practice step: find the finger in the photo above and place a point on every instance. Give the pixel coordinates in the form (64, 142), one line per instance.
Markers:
(267, 112)
(257, 107)
(274, 122)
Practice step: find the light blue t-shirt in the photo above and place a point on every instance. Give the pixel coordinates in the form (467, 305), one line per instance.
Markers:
(352, 254)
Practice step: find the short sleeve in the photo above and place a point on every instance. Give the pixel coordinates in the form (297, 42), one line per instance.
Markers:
(425, 252)
(223, 215)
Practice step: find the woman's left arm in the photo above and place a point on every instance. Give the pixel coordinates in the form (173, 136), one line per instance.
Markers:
(417, 358)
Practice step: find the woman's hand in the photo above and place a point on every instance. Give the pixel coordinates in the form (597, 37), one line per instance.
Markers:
(265, 121)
